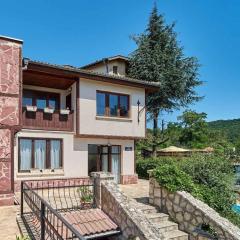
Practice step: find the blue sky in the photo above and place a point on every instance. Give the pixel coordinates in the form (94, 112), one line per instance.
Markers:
(77, 32)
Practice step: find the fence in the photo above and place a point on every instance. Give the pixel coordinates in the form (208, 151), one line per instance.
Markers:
(42, 203)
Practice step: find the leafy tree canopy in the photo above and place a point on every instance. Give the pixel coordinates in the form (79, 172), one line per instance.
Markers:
(160, 58)
(194, 129)
(191, 131)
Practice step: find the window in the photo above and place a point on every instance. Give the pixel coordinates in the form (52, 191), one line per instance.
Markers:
(115, 69)
(39, 154)
(27, 101)
(41, 99)
(123, 105)
(93, 159)
(101, 104)
(112, 104)
(41, 102)
(104, 158)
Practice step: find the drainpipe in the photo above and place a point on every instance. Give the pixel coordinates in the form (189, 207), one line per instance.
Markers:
(25, 62)
(105, 60)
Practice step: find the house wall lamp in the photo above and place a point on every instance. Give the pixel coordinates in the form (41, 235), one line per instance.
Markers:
(140, 110)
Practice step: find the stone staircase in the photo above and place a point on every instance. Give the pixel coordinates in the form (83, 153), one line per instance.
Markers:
(163, 223)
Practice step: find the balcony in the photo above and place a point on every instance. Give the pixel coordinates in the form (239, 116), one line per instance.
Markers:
(47, 121)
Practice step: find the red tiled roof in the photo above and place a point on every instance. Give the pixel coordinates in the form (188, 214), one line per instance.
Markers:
(90, 222)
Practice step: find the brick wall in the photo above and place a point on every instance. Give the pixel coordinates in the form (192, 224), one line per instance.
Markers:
(10, 96)
(129, 179)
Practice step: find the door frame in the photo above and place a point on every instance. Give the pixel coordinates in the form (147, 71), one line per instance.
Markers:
(99, 157)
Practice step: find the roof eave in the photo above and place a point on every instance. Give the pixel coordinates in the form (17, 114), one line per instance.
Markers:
(101, 61)
(78, 73)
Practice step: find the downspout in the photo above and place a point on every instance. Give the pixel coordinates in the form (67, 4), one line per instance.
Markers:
(105, 60)
(25, 62)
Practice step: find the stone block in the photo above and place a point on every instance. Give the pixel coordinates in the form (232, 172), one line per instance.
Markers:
(157, 201)
(151, 200)
(6, 199)
(157, 192)
(176, 199)
(187, 216)
(5, 176)
(190, 208)
(9, 65)
(179, 217)
(5, 144)
(9, 113)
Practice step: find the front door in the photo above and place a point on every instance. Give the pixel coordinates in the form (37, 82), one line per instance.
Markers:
(105, 158)
(116, 162)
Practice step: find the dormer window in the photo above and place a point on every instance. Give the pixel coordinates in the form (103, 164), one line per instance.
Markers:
(115, 69)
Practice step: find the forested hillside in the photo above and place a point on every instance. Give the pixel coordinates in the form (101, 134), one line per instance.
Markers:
(230, 128)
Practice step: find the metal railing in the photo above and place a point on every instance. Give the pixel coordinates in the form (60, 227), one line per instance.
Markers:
(43, 201)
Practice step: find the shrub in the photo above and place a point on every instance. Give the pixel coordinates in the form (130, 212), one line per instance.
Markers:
(208, 169)
(143, 165)
(209, 178)
(214, 177)
(174, 179)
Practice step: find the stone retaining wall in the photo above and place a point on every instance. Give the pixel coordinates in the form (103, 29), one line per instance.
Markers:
(190, 213)
(123, 211)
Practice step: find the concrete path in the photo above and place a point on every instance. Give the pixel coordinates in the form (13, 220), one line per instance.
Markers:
(138, 192)
(8, 225)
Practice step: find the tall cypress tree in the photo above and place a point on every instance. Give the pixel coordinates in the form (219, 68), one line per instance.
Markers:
(160, 58)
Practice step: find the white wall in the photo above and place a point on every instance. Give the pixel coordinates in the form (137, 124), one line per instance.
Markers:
(73, 163)
(93, 125)
(101, 67)
(127, 157)
(75, 155)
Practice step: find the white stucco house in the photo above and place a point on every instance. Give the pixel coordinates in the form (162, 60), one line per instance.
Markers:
(69, 121)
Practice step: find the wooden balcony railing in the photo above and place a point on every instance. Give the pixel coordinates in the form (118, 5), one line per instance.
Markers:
(47, 121)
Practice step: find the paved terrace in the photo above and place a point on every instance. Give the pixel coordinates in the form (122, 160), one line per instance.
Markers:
(70, 210)
(8, 225)
(138, 192)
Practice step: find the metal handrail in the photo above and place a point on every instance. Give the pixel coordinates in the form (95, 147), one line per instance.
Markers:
(44, 204)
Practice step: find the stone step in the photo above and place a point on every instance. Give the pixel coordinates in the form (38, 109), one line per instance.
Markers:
(157, 217)
(176, 235)
(148, 209)
(166, 226)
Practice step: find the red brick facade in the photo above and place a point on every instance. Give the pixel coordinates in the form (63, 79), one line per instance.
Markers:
(10, 95)
(129, 179)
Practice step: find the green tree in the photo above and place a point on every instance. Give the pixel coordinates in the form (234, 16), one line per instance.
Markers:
(173, 132)
(160, 58)
(195, 131)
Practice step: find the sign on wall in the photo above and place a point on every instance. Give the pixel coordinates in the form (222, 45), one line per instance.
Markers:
(128, 148)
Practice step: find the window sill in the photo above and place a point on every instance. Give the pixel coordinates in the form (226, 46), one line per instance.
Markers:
(118, 119)
(44, 173)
